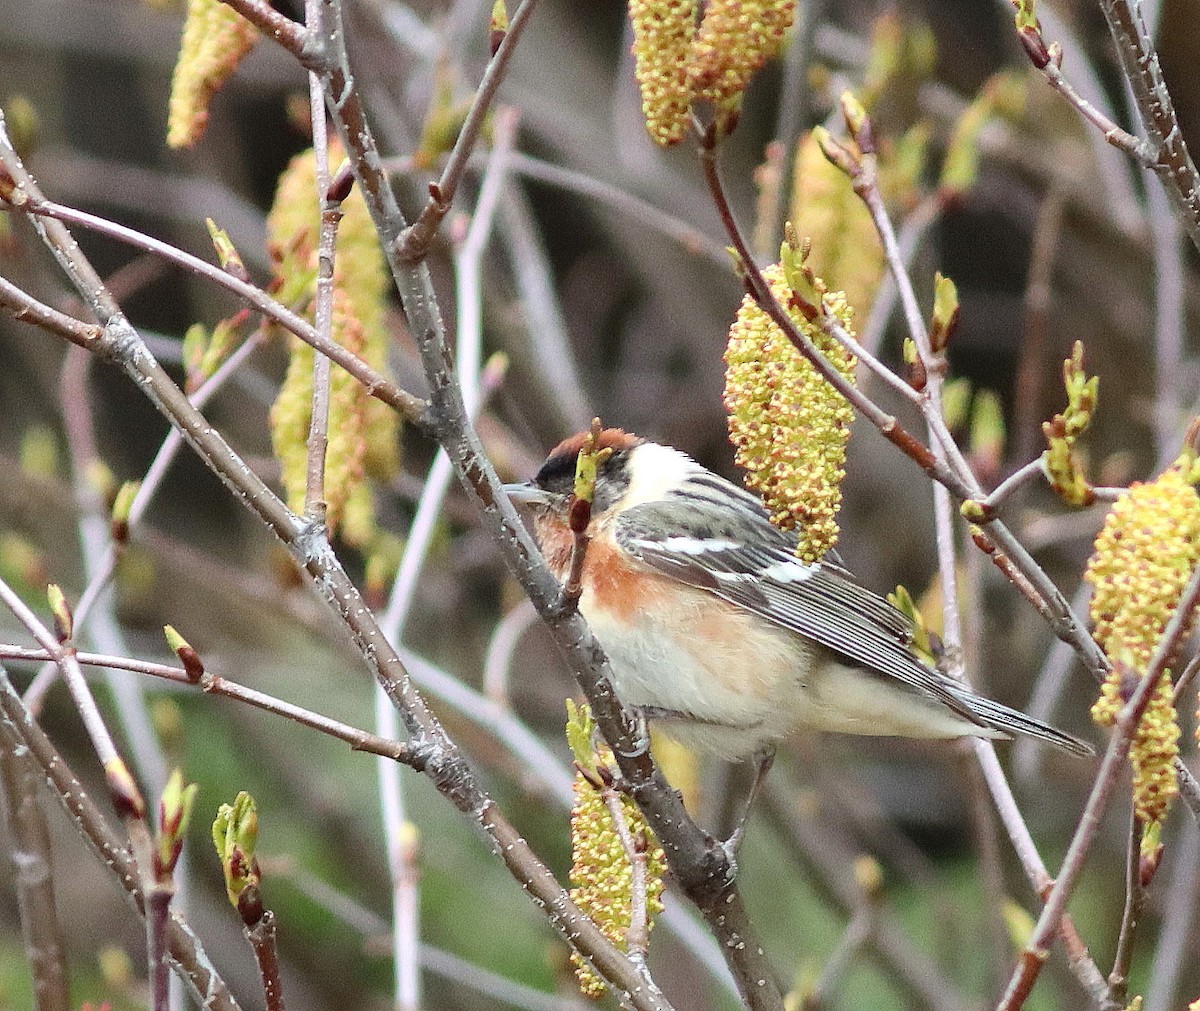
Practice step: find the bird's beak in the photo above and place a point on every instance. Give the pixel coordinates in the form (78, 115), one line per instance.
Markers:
(528, 493)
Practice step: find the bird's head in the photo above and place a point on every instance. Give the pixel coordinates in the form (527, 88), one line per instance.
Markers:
(550, 490)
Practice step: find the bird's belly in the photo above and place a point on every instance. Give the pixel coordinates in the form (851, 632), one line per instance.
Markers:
(737, 683)
(734, 681)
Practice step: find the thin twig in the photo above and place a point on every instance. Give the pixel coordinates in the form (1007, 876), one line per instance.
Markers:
(1014, 482)
(1122, 139)
(294, 37)
(946, 452)
(33, 880)
(791, 115)
(637, 936)
(18, 729)
(212, 684)
(876, 367)
(1176, 926)
(1039, 289)
(913, 229)
(315, 505)
(103, 569)
(502, 647)
(96, 540)
(158, 892)
(1120, 196)
(1139, 62)
(1170, 291)
(986, 836)
(1135, 897)
(854, 938)
(573, 584)
(1189, 789)
(827, 865)
(410, 407)
(126, 796)
(412, 244)
(24, 307)
(263, 941)
(545, 349)
(650, 215)
(690, 238)
(1183, 683)
(1048, 689)
(1081, 962)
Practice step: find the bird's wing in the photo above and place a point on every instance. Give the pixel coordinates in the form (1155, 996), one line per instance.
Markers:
(747, 561)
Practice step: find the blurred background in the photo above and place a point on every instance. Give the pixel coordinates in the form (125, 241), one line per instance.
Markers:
(606, 284)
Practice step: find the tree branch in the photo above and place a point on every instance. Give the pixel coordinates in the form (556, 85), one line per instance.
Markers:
(435, 754)
(1139, 62)
(18, 730)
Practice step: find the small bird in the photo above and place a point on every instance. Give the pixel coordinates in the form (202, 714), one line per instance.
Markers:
(713, 626)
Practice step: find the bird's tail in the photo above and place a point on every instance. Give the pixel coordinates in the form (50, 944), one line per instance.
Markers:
(1011, 721)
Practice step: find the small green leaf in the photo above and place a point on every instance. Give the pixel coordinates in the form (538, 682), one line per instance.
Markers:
(580, 730)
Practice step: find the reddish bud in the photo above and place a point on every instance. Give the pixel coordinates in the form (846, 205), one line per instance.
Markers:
(1035, 47)
(1148, 864)
(250, 905)
(341, 184)
(579, 514)
(126, 797)
(497, 27)
(7, 187)
(63, 619)
(193, 666)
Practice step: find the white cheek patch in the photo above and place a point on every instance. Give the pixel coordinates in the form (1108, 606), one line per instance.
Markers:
(654, 470)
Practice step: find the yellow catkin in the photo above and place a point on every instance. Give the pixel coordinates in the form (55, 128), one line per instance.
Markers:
(680, 765)
(361, 272)
(363, 432)
(735, 39)
(788, 425)
(663, 32)
(215, 39)
(289, 422)
(602, 875)
(292, 412)
(845, 245)
(1143, 558)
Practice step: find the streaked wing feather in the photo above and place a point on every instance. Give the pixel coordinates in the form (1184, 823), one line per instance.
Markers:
(752, 565)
